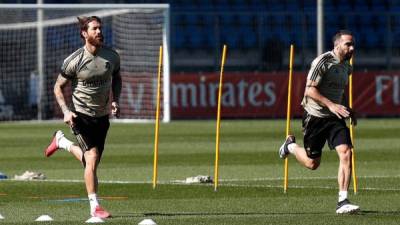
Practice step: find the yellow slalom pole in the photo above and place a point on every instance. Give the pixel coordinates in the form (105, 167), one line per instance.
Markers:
(219, 118)
(157, 120)
(353, 156)
(289, 100)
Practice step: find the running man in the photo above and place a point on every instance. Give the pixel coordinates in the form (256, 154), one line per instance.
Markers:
(325, 111)
(93, 73)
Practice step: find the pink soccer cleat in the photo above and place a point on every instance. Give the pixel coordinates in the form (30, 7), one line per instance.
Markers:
(53, 147)
(101, 213)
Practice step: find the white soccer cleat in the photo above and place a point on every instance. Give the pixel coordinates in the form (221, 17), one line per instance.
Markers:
(283, 150)
(345, 207)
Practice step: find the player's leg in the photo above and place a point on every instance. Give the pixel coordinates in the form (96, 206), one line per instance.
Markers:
(90, 173)
(314, 140)
(304, 159)
(344, 177)
(291, 147)
(77, 152)
(344, 171)
(92, 159)
(339, 139)
(91, 162)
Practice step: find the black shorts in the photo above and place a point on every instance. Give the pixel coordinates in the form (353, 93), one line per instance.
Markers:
(318, 130)
(93, 130)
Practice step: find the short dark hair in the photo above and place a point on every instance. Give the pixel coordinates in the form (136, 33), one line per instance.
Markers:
(339, 34)
(83, 22)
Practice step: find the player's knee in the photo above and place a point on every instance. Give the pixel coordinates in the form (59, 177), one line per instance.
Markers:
(91, 155)
(344, 152)
(313, 165)
(347, 155)
(91, 158)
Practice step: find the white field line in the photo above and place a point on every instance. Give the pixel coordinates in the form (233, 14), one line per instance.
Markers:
(308, 187)
(182, 182)
(305, 178)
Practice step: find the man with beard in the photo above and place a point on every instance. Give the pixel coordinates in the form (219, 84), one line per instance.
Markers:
(93, 72)
(325, 111)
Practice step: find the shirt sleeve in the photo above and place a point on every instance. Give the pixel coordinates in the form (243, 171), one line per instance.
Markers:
(70, 64)
(318, 69)
(67, 70)
(117, 66)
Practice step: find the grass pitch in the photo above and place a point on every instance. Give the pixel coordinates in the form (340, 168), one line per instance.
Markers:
(251, 172)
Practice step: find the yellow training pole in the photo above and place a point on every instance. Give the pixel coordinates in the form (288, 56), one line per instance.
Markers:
(289, 99)
(353, 160)
(157, 120)
(219, 119)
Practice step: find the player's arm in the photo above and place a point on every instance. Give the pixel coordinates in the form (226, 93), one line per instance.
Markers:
(313, 92)
(352, 114)
(58, 93)
(116, 92)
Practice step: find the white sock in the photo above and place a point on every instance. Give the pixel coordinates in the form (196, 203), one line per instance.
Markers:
(342, 195)
(63, 142)
(93, 202)
(291, 147)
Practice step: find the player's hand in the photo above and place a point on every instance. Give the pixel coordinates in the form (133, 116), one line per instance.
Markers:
(352, 116)
(115, 109)
(339, 110)
(69, 118)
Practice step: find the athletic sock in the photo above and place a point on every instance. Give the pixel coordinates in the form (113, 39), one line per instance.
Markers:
(342, 195)
(93, 202)
(64, 143)
(291, 147)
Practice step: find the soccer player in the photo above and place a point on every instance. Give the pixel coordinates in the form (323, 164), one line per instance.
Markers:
(93, 73)
(325, 111)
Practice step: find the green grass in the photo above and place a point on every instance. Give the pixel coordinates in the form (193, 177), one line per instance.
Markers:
(250, 190)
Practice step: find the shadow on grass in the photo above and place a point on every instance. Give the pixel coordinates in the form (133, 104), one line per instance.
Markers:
(378, 213)
(210, 214)
(206, 214)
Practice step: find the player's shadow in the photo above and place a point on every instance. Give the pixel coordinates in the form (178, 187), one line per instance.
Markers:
(172, 214)
(372, 212)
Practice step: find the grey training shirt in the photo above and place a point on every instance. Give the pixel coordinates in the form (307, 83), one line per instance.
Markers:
(331, 78)
(91, 77)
